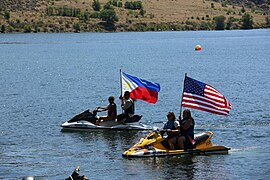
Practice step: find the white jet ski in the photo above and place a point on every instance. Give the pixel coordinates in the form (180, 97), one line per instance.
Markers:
(86, 121)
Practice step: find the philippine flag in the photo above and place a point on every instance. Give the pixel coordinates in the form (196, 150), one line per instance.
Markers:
(140, 88)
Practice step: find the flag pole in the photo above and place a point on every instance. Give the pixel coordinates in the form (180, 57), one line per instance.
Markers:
(121, 82)
(121, 88)
(182, 97)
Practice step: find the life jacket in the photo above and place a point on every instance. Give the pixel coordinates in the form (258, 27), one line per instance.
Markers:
(131, 109)
(112, 111)
(170, 125)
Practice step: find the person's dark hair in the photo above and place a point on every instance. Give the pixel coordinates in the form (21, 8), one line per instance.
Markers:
(172, 115)
(127, 93)
(111, 98)
(187, 114)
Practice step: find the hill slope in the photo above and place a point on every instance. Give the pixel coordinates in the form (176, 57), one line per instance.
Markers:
(153, 15)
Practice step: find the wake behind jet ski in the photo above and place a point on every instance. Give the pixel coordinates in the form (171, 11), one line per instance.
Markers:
(87, 119)
(155, 145)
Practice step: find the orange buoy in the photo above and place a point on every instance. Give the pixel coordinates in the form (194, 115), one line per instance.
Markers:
(198, 48)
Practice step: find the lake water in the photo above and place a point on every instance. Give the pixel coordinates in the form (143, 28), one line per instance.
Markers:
(48, 78)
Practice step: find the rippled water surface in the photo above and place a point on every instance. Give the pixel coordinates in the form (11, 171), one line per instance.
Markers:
(48, 78)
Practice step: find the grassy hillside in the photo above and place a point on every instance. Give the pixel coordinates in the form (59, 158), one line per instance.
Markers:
(153, 15)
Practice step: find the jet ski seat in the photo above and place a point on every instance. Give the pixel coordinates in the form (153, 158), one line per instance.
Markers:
(201, 137)
(134, 118)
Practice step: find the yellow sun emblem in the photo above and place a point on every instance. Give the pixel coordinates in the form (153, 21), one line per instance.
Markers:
(127, 84)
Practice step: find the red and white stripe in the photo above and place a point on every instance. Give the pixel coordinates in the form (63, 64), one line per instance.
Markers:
(212, 101)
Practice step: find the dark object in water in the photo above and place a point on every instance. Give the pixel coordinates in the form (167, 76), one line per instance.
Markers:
(76, 176)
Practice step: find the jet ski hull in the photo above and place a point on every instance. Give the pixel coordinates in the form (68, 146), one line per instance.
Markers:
(87, 126)
(85, 121)
(160, 153)
(152, 146)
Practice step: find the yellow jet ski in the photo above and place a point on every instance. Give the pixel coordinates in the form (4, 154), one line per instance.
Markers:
(155, 145)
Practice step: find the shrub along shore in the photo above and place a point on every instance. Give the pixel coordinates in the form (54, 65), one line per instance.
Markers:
(122, 16)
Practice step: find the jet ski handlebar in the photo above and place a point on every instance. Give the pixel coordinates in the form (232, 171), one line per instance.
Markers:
(98, 109)
(160, 131)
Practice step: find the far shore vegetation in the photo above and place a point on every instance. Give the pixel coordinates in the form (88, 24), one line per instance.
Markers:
(119, 15)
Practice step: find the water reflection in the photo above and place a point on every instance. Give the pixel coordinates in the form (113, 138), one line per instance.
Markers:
(125, 137)
(115, 141)
(176, 167)
(107, 146)
(184, 167)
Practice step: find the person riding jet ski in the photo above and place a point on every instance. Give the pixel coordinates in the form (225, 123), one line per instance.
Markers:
(112, 111)
(186, 138)
(172, 128)
(180, 133)
(127, 106)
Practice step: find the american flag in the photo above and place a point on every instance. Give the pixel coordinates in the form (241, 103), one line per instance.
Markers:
(201, 96)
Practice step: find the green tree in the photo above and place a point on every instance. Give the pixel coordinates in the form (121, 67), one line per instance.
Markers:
(3, 28)
(219, 22)
(77, 27)
(108, 5)
(27, 28)
(7, 15)
(224, 4)
(120, 4)
(94, 15)
(243, 10)
(134, 5)
(247, 21)
(109, 16)
(113, 2)
(229, 24)
(142, 12)
(96, 5)
(50, 11)
(138, 5)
